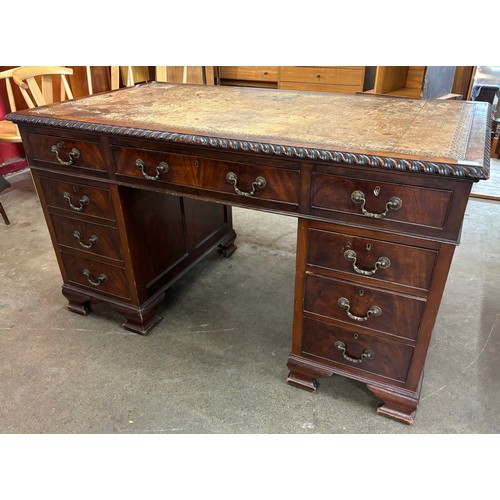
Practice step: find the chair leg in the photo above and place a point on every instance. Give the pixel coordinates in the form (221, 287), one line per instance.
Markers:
(4, 215)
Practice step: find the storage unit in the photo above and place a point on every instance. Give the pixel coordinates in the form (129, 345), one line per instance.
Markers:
(414, 81)
(342, 79)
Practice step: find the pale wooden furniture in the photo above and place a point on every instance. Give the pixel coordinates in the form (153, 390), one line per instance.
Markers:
(128, 76)
(8, 130)
(414, 81)
(137, 185)
(249, 76)
(53, 86)
(341, 79)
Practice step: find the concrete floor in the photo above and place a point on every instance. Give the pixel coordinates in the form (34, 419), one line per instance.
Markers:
(217, 361)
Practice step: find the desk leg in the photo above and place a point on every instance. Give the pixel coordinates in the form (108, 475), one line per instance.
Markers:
(78, 302)
(228, 247)
(140, 319)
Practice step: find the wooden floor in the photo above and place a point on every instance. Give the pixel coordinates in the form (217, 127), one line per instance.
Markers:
(489, 189)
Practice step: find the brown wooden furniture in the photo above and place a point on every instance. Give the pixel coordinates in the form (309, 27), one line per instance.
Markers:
(342, 79)
(428, 82)
(127, 182)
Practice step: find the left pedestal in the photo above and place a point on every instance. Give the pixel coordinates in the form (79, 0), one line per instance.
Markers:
(126, 246)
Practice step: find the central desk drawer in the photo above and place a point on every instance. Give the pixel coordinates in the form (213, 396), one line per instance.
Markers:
(362, 306)
(88, 237)
(77, 198)
(239, 179)
(97, 276)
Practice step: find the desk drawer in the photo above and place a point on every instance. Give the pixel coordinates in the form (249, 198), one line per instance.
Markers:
(88, 237)
(380, 260)
(69, 153)
(365, 307)
(77, 198)
(248, 181)
(360, 352)
(381, 203)
(97, 276)
(239, 179)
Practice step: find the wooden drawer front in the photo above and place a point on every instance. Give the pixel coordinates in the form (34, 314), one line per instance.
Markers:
(250, 73)
(333, 75)
(423, 207)
(397, 315)
(102, 278)
(87, 237)
(380, 260)
(359, 351)
(320, 87)
(281, 185)
(156, 166)
(87, 200)
(47, 148)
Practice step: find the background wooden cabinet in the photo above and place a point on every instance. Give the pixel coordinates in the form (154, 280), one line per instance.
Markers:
(344, 79)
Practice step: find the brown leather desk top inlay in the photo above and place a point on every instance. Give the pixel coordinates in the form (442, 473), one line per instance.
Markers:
(303, 124)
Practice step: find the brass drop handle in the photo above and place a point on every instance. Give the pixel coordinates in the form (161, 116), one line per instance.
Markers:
(366, 354)
(83, 202)
(258, 183)
(382, 263)
(74, 153)
(100, 279)
(394, 203)
(345, 304)
(90, 244)
(161, 168)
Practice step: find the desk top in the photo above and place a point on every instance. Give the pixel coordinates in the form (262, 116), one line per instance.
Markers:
(449, 138)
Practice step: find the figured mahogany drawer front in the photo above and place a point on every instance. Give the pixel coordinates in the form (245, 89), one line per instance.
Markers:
(376, 202)
(102, 278)
(361, 352)
(77, 198)
(238, 179)
(402, 264)
(386, 312)
(68, 153)
(95, 239)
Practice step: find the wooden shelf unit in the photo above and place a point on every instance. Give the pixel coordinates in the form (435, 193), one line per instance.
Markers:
(415, 82)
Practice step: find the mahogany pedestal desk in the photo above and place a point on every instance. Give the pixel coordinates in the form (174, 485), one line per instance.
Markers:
(137, 186)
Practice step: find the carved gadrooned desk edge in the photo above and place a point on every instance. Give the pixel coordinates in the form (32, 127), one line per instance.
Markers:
(301, 153)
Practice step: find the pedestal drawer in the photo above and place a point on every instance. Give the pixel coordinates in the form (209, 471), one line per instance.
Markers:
(88, 237)
(77, 198)
(380, 260)
(360, 352)
(377, 203)
(70, 153)
(100, 277)
(362, 306)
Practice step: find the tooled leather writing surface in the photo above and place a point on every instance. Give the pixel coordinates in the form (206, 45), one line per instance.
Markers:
(405, 128)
